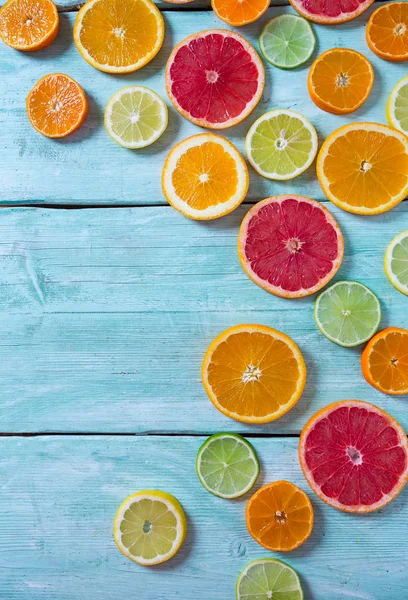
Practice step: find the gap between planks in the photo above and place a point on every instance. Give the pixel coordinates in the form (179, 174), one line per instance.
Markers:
(252, 435)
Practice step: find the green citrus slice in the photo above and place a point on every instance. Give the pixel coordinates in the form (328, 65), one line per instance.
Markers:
(397, 106)
(227, 465)
(281, 144)
(396, 262)
(135, 117)
(150, 527)
(287, 41)
(269, 578)
(348, 313)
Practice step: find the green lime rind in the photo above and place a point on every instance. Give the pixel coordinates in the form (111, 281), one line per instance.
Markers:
(396, 262)
(269, 578)
(227, 465)
(287, 41)
(348, 313)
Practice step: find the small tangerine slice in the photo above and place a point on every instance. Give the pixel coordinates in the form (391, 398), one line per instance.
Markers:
(28, 25)
(384, 361)
(237, 12)
(387, 31)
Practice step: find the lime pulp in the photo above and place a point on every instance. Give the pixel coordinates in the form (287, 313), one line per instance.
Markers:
(287, 41)
(397, 107)
(269, 578)
(396, 262)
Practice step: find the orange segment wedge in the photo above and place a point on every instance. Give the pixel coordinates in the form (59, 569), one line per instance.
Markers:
(237, 12)
(253, 374)
(28, 24)
(384, 361)
(387, 31)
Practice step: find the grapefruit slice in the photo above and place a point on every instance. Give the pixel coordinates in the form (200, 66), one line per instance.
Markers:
(330, 12)
(290, 245)
(215, 78)
(354, 456)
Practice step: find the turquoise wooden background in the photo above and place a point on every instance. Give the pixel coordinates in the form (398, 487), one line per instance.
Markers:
(106, 313)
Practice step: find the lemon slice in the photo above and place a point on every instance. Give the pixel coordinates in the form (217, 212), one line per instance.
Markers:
(396, 262)
(397, 106)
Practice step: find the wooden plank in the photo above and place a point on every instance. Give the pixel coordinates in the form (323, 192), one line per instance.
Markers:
(89, 168)
(106, 315)
(71, 5)
(59, 497)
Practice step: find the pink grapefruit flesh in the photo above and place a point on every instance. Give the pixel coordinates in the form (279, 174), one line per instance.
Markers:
(331, 11)
(215, 78)
(290, 245)
(354, 456)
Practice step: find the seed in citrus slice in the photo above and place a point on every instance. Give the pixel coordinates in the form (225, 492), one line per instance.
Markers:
(384, 361)
(354, 456)
(387, 31)
(396, 262)
(227, 465)
(279, 516)
(215, 78)
(281, 144)
(205, 177)
(119, 36)
(287, 41)
(237, 12)
(267, 578)
(397, 106)
(340, 80)
(290, 245)
(347, 313)
(136, 117)
(28, 25)
(363, 168)
(150, 527)
(330, 12)
(253, 374)
(57, 105)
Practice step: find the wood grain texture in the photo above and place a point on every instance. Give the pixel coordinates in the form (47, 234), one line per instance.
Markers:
(89, 168)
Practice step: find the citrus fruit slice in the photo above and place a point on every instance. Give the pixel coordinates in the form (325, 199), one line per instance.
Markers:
(57, 105)
(330, 12)
(135, 117)
(215, 78)
(340, 80)
(253, 374)
(290, 245)
(205, 177)
(397, 106)
(150, 527)
(354, 456)
(384, 361)
(267, 578)
(363, 168)
(279, 516)
(119, 36)
(237, 12)
(227, 465)
(396, 262)
(281, 144)
(387, 31)
(347, 313)
(28, 24)
(287, 41)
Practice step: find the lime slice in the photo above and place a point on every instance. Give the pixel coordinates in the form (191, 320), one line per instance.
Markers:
(287, 41)
(397, 106)
(135, 117)
(348, 313)
(150, 527)
(281, 144)
(269, 578)
(227, 465)
(396, 262)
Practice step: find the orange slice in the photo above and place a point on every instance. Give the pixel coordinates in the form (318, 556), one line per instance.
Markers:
(56, 105)
(119, 36)
(28, 24)
(384, 361)
(205, 177)
(363, 168)
(387, 31)
(237, 12)
(279, 516)
(253, 374)
(340, 80)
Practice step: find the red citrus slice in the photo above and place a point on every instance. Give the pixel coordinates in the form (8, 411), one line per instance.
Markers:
(290, 245)
(214, 78)
(329, 12)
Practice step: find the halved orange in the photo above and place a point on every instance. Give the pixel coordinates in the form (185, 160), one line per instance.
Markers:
(363, 168)
(387, 31)
(28, 24)
(239, 12)
(384, 361)
(57, 105)
(340, 80)
(253, 373)
(279, 516)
